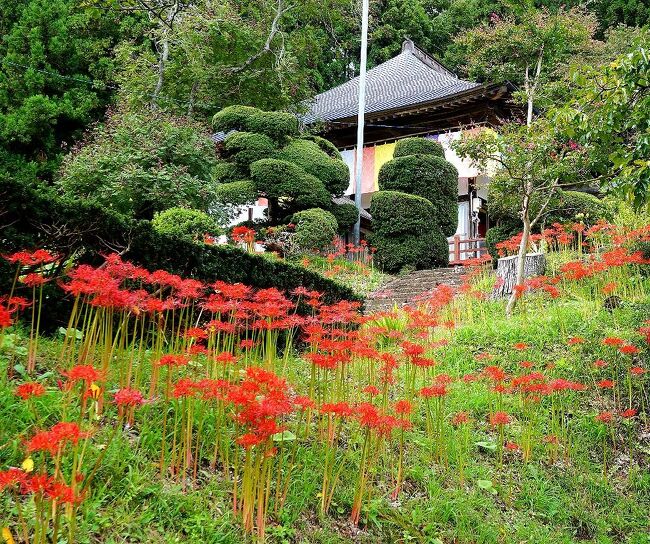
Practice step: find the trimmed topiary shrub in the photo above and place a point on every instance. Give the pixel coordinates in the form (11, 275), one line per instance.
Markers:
(429, 177)
(233, 118)
(346, 216)
(315, 229)
(405, 233)
(244, 148)
(185, 223)
(237, 193)
(325, 145)
(418, 146)
(334, 173)
(275, 124)
(284, 180)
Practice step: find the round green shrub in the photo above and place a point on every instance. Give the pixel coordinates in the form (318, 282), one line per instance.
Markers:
(225, 172)
(418, 146)
(405, 234)
(334, 173)
(244, 148)
(325, 145)
(346, 216)
(282, 179)
(233, 118)
(315, 229)
(275, 124)
(427, 176)
(236, 193)
(184, 223)
(577, 206)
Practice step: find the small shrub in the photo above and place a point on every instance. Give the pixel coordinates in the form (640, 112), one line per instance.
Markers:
(429, 177)
(233, 118)
(346, 216)
(418, 146)
(184, 223)
(315, 229)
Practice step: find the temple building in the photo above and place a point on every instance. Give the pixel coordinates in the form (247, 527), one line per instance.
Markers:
(413, 94)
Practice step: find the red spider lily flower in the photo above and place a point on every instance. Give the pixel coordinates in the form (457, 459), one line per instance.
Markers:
(512, 446)
(85, 373)
(574, 340)
(62, 493)
(249, 440)
(340, 409)
(628, 349)
(403, 407)
(412, 350)
(520, 346)
(50, 441)
(304, 403)
(173, 360)
(184, 388)
(25, 258)
(30, 389)
(499, 418)
(12, 477)
(5, 317)
(526, 364)
(609, 288)
(483, 356)
(637, 371)
(495, 373)
(196, 332)
(460, 418)
(247, 344)
(18, 303)
(34, 280)
(605, 417)
(599, 363)
(371, 390)
(629, 413)
(606, 384)
(437, 390)
(128, 397)
(468, 378)
(612, 341)
(551, 439)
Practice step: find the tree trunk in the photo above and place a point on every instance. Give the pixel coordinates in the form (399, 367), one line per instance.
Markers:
(534, 265)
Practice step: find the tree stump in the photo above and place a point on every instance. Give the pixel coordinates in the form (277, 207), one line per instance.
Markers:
(534, 265)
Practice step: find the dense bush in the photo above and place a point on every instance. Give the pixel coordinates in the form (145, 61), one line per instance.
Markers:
(418, 146)
(334, 173)
(427, 176)
(233, 118)
(244, 148)
(346, 216)
(497, 234)
(325, 146)
(141, 163)
(274, 124)
(237, 193)
(577, 206)
(185, 223)
(288, 187)
(405, 234)
(315, 229)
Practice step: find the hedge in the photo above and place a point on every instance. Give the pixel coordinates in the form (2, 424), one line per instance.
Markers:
(315, 229)
(334, 173)
(427, 176)
(418, 146)
(38, 217)
(185, 223)
(405, 235)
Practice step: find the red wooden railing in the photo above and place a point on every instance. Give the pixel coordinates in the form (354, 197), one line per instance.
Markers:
(463, 249)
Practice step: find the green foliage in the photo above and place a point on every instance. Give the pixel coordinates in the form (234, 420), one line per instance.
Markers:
(236, 193)
(141, 163)
(184, 223)
(405, 234)
(498, 234)
(334, 173)
(418, 146)
(285, 180)
(325, 145)
(577, 206)
(315, 229)
(427, 176)
(346, 216)
(610, 114)
(244, 148)
(233, 118)
(275, 124)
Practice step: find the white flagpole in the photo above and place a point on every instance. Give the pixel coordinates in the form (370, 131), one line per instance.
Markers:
(361, 118)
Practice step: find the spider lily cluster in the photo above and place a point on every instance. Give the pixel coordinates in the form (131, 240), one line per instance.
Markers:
(239, 383)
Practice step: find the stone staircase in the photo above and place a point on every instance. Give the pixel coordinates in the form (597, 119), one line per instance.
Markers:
(405, 289)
